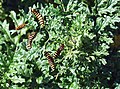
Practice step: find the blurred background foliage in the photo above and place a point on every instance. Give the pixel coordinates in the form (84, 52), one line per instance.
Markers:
(89, 29)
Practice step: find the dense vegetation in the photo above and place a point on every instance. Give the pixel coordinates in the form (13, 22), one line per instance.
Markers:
(89, 30)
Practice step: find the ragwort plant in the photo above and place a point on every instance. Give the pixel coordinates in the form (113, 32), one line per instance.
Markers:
(85, 33)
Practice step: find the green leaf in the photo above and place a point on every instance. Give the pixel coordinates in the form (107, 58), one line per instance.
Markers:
(118, 86)
(74, 85)
(5, 29)
(16, 79)
(39, 80)
(103, 61)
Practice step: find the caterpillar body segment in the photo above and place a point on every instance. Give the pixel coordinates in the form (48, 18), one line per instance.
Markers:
(20, 26)
(30, 39)
(38, 16)
(57, 53)
(50, 60)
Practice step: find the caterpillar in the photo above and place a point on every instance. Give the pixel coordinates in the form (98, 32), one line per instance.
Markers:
(39, 17)
(30, 38)
(20, 26)
(50, 60)
(58, 51)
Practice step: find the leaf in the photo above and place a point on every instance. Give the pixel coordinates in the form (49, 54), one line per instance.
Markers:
(39, 80)
(13, 16)
(103, 61)
(16, 79)
(16, 39)
(5, 29)
(74, 85)
(73, 71)
(118, 86)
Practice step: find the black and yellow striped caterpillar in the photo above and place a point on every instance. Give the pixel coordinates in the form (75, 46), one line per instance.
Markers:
(20, 26)
(58, 51)
(50, 60)
(30, 39)
(38, 16)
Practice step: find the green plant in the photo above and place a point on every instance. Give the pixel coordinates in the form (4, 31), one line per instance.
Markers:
(84, 30)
